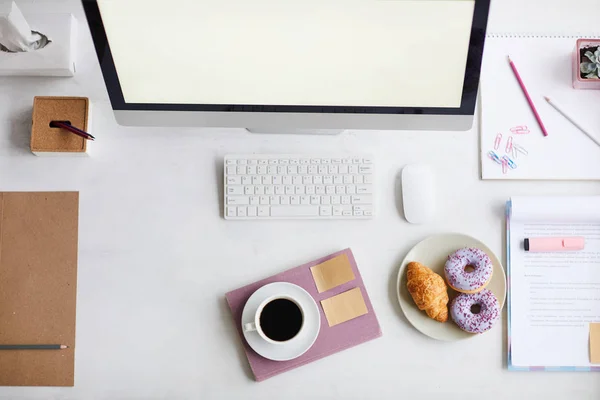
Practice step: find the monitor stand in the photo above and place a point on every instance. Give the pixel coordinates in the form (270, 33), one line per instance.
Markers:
(298, 131)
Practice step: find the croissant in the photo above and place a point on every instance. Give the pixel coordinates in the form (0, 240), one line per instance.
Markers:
(428, 290)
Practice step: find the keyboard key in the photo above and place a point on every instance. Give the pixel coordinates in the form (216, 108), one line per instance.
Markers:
(351, 189)
(348, 179)
(231, 162)
(328, 180)
(262, 170)
(282, 170)
(338, 180)
(346, 200)
(272, 170)
(320, 189)
(273, 162)
(294, 161)
(258, 190)
(326, 161)
(231, 211)
(287, 180)
(312, 170)
(284, 161)
(242, 162)
(231, 170)
(232, 190)
(364, 189)
(256, 180)
(274, 200)
(346, 161)
(254, 200)
(253, 162)
(315, 161)
(234, 180)
(277, 180)
(263, 162)
(337, 211)
(340, 190)
(284, 200)
(289, 189)
(246, 180)
(267, 180)
(336, 160)
(325, 199)
(310, 189)
(296, 180)
(356, 160)
(305, 200)
(353, 169)
(318, 180)
(322, 169)
(252, 211)
(304, 161)
(367, 160)
(295, 211)
(325, 211)
(295, 200)
(365, 169)
(241, 212)
(241, 170)
(330, 189)
(264, 200)
(336, 200)
(299, 189)
(307, 180)
(362, 199)
(343, 169)
(279, 189)
(303, 170)
(333, 169)
(269, 190)
(358, 179)
(368, 179)
(292, 169)
(315, 199)
(251, 170)
(358, 213)
(238, 200)
(263, 211)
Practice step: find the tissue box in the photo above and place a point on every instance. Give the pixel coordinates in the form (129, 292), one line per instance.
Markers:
(56, 59)
(48, 141)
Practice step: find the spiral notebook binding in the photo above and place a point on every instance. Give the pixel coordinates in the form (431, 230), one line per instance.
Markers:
(505, 35)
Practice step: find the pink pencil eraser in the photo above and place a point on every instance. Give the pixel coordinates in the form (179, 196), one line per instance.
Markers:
(554, 244)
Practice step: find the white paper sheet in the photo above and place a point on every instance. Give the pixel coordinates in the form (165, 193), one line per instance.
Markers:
(544, 64)
(554, 296)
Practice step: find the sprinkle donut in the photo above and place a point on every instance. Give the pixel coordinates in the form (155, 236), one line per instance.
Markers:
(462, 311)
(468, 270)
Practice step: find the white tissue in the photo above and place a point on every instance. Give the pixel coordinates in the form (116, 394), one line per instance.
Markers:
(16, 35)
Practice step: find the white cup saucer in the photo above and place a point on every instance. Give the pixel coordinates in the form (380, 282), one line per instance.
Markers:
(296, 346)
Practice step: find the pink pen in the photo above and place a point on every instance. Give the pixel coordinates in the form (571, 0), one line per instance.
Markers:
(546, 244)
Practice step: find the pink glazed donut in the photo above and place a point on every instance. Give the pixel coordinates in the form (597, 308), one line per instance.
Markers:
(462, 311)
(468, 270)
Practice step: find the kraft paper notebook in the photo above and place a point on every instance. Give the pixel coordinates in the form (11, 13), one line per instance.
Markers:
(38, 286)
(554, 297)
(334, 335)
(545, 65)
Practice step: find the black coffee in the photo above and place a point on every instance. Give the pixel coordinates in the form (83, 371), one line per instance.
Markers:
(281, 320)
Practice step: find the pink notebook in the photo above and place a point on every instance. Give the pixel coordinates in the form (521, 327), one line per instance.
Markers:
(330, 339)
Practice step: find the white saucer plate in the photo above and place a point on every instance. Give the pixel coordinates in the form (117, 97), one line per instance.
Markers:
(296, 346)
(433, 252)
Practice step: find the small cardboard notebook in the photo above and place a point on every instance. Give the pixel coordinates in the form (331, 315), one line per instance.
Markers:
(331, 339)
(38, 286)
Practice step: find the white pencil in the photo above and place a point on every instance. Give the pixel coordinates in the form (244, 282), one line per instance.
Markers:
(571, 120)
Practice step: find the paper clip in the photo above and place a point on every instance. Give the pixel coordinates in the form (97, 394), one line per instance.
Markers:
(497, 141)
(494, 157)
(504, 166)
(520, 129)
(515, 153)
(509, 145)
(520, 149)
(511, 163)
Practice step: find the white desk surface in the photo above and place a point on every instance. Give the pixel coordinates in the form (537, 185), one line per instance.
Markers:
(156, 258)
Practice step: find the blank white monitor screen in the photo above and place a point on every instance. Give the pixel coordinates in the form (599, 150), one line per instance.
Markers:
(387, 53)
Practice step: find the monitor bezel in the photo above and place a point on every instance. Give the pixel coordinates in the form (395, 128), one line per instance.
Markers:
(468, 97)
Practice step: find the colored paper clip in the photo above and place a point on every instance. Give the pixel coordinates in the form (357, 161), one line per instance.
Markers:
(504, 166)
(509, 145)
(511, 163)
(520, 130)
(497, 141)
(520, 149)
(494, 157)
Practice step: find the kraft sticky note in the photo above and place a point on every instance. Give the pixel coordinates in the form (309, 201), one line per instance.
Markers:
(332, 273)
(595, 343)
(344, 307)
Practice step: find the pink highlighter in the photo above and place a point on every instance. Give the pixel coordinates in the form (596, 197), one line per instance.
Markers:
(545, 244)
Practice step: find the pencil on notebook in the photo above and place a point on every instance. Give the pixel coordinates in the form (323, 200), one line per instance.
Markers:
(33, 347)
(561, 110)
(527, 97)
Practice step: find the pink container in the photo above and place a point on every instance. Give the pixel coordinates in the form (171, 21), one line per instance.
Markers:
(578, 81)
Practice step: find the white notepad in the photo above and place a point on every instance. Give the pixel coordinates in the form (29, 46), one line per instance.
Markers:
(553, 297)
(544, 63)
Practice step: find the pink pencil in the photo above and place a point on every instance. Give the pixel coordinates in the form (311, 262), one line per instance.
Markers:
(526, 93)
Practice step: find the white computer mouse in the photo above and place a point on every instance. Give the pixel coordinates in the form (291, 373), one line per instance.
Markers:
(418, 193)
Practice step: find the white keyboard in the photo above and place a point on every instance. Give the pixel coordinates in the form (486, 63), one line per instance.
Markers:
(298, 187)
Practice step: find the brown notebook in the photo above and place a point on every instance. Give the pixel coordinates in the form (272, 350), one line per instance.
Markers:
(38, 286)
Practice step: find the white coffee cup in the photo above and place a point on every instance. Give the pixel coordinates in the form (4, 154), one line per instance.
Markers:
(255, 325)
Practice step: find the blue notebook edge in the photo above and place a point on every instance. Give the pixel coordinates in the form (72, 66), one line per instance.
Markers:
(511, 366)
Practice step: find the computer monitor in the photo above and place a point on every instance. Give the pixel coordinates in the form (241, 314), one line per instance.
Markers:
(289, 65)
